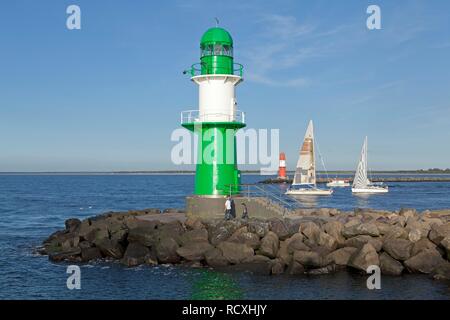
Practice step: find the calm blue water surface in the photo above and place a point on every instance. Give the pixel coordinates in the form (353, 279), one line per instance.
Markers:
(33, 206)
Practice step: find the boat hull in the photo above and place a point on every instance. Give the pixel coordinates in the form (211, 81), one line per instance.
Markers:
(335, 185)
(370, 190)
(309, 192)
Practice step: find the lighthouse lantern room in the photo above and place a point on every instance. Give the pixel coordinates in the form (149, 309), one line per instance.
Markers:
(217, 119)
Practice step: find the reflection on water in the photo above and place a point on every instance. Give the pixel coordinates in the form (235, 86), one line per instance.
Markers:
(215, 286)
(307, 201)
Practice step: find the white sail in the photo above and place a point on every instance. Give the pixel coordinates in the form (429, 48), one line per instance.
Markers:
(305, 173)
(361, 180)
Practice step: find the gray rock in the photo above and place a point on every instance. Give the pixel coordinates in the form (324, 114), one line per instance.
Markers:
(222, 231)
(341, 256)
(269, 245)
(295, 268)
(309, 259)
(283, 253)
(110, 248)
(399, 249)
(396, 232)
(424, 262)
(390, 266)
(215, 258)
(442, 272)
(368, 228)
(243, 236)
(364, 257)
(258, 227)
(235, 253)
(327, 241)
(422, 245)
(72, 224)
(295, 243)
(439, 232)
(192, 236)
(193, 223)
(136, 254)
(145, 235)
(310, 230)
(280, 228)
(334, 229)
(277, 267)
(360, 241)
(408, 213)
(445, 243)
(66, 255)
(88, 254)
(194, 251)
(166, 250)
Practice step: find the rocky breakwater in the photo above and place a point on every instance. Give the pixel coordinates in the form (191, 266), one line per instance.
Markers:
(309, 242)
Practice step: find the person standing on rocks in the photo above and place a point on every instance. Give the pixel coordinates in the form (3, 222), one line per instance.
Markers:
(244, 212)
(228, 208)
(233, 209)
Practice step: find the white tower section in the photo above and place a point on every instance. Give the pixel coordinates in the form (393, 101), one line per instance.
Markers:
(217, 98)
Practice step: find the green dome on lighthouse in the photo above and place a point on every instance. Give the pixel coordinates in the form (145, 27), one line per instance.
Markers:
(216, 48)
(216, 35)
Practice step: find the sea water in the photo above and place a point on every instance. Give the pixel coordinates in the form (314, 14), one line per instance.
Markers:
(34, 206)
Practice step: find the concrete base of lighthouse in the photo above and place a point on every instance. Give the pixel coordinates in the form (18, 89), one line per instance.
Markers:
(205, 207)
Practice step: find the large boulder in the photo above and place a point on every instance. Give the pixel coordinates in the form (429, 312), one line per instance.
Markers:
(72, 224)
(136, 254)
(390, 266)
(235, 253)
(422, 245)
(408, 213)
(399, 249)
(110, 248)
(442, 271)
(222, 231)
(295, 268)
(88, 254)
(396, 232)
(368, 228)
(278, 267)
(295, 243)
(327, 241)
(360, 241)
(243, 236)
(280, 228)
(310, 259)
(310, 230)
(283, 253)
(174, 230)
(166, 250)
(193, 223)
(72, 254)
(424, 262)
(341, 256)
(214, 258)
(364, 257)
(445, 243)
(144, 234)
(439, 232)
(192, 236)
(194, 251)
(334, 229)
(269, 245)
(258, 227)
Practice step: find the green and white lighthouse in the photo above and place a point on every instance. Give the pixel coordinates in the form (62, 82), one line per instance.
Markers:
(217, 119)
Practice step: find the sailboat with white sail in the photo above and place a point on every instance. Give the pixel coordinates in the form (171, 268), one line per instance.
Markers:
(361, 183)
(305, 174)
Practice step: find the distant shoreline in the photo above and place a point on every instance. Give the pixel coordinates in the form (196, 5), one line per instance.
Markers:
(189, 172)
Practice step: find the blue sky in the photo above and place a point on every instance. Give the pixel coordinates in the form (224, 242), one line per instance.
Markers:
(108, 96)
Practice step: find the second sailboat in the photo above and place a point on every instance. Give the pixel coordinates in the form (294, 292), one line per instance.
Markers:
(305, 174)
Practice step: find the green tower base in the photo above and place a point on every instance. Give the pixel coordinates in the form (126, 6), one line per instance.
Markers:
(217, 173)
